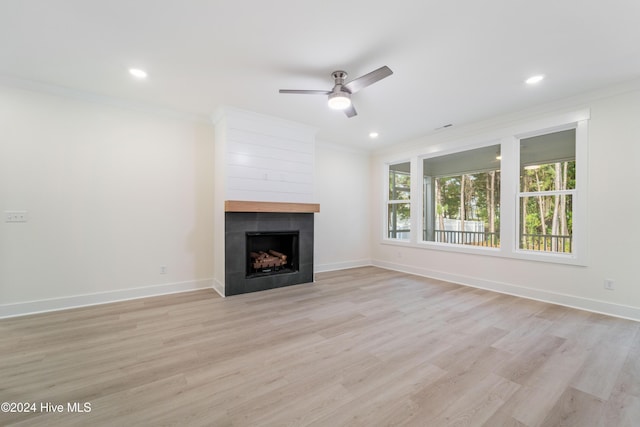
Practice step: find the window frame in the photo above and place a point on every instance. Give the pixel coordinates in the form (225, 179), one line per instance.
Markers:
(578, 255)
(509, 141)
(423, 203)
(389, 202)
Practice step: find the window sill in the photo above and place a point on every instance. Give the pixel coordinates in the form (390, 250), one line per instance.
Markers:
(567, 259)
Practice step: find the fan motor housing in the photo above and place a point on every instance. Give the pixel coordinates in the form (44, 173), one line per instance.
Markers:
(339, 76)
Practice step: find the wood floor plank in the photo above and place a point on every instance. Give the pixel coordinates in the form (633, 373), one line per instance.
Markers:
(622, 409)
(574, 409)
(477, 404)
(359, 347)
(376, 401)
(521, 366)
(600, 370)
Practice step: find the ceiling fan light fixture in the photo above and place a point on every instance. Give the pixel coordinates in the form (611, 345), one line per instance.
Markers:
(339, 100)
(340, 95)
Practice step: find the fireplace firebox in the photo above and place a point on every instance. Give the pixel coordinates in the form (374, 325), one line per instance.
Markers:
(272, 252)
(267, 234)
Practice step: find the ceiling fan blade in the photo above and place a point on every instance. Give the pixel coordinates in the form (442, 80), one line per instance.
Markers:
(351, 111)
(368, 79)
(306, 92)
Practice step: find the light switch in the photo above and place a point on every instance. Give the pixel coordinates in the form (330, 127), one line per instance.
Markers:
(15, 216)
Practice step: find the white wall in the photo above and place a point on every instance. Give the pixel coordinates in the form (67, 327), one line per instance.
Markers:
(112, 195)
(613, 175)
(342, 227)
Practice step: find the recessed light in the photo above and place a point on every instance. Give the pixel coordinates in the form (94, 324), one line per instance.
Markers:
(138, 73)
(534, 79)
(373, 135)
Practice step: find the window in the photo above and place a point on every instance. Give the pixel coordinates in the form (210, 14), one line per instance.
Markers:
(461, 198)
(547, 192)
(399, 201)
(523, 196)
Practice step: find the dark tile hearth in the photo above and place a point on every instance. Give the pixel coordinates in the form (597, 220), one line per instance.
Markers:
(238, 224)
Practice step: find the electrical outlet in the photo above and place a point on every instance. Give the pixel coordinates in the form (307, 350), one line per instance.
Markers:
(608, 284)
(163, 269)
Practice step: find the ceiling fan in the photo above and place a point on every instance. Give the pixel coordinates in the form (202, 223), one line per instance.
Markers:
(340, 95)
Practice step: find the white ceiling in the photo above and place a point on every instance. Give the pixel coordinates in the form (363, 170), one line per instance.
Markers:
(454, 61)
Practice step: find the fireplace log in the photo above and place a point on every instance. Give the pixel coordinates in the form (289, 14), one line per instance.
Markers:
(280, 255)
(264, 260)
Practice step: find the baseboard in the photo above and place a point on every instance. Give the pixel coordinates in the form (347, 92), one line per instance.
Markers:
(596, 306)
(321, 268)
(63, 303)
(218, 286)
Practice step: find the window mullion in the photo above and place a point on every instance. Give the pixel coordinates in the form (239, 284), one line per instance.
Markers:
(546, 193)
(510, 172)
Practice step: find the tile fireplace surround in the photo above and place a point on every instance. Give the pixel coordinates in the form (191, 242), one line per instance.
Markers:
(246, 217)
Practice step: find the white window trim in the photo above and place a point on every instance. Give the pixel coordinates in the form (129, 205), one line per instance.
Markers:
(419, 218)
(578, 256)
(510, 152)
(387, 202)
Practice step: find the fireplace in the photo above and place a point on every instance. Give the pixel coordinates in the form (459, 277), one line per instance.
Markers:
(264, 181)
(272, 252)
(288, 234)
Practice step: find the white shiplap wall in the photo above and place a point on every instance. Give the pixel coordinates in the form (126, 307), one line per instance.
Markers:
(266, 158)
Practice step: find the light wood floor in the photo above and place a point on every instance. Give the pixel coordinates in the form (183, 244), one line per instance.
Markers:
(361, 347)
